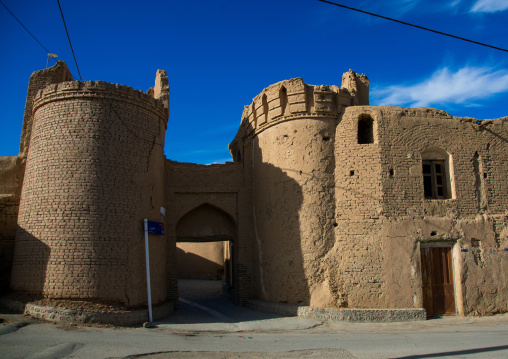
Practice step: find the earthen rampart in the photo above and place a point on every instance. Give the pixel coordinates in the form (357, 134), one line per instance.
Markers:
(93, 173)
(331, 207)
(286, 139)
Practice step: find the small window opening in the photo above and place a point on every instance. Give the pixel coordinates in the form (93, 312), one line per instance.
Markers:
(433, 233)
(434, 179)
(391, 172)
(352, 173)
(365, 130)
(326, 138)
(484, 175)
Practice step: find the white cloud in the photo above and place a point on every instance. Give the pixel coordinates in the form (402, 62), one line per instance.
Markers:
(454, 3)
(393, 8)
(221, 161)
(489, 6)
(446, 87)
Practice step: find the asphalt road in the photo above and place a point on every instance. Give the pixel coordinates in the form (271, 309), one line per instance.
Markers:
(208, 325)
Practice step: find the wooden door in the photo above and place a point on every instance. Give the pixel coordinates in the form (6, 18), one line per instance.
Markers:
(437, 275)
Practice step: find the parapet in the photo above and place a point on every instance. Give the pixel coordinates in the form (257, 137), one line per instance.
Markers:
(291, 99)
(100, 90)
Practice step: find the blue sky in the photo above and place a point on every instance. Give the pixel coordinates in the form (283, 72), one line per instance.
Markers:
(220, 54)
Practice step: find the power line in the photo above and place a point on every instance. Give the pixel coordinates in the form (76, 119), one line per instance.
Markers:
(417, 26)
(68, 37)
(24, 27)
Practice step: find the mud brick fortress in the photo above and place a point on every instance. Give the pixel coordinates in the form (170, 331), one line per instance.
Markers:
(330, 205)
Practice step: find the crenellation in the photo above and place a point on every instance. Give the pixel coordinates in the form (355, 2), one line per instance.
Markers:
(297, 99)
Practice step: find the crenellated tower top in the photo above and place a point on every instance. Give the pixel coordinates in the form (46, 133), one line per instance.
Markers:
(292, 99)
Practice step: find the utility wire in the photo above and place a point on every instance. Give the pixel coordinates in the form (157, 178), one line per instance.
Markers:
(24, 27)
(68, 37)
(417, 26)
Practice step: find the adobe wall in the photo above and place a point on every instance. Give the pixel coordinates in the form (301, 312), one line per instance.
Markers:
(220, 190)
(340, 223)
(94, 171)
(12, 169)
(383, 218)
(202, 260)
(315, 216)
(286, 140)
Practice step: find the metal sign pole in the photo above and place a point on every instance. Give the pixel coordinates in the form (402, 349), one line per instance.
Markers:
(148, 287)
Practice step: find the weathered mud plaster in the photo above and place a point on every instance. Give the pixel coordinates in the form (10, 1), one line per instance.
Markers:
(331, 207)
(91, 174)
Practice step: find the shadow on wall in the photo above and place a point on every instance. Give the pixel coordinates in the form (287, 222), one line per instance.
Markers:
(202, 233)
(193, 266)
(278, 249)
(6, 255)
(29, 273)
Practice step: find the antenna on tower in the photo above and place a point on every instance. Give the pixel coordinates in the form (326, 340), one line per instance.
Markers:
(50, 55)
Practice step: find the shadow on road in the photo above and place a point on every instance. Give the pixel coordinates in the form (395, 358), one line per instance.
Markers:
(456, 353)
(210, 301)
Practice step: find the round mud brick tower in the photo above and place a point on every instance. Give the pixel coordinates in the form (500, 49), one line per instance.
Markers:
(290, 131)
(94, 171)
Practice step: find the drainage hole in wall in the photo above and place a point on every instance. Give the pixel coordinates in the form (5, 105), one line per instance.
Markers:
(433, 233)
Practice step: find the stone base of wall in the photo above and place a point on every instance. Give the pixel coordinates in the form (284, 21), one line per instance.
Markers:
(75, 316)
(342, 314)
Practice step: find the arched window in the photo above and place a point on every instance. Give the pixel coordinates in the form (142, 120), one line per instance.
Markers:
(437, 174)
(365, 130)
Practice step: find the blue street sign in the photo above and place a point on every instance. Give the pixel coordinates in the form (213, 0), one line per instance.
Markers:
(156, 228)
